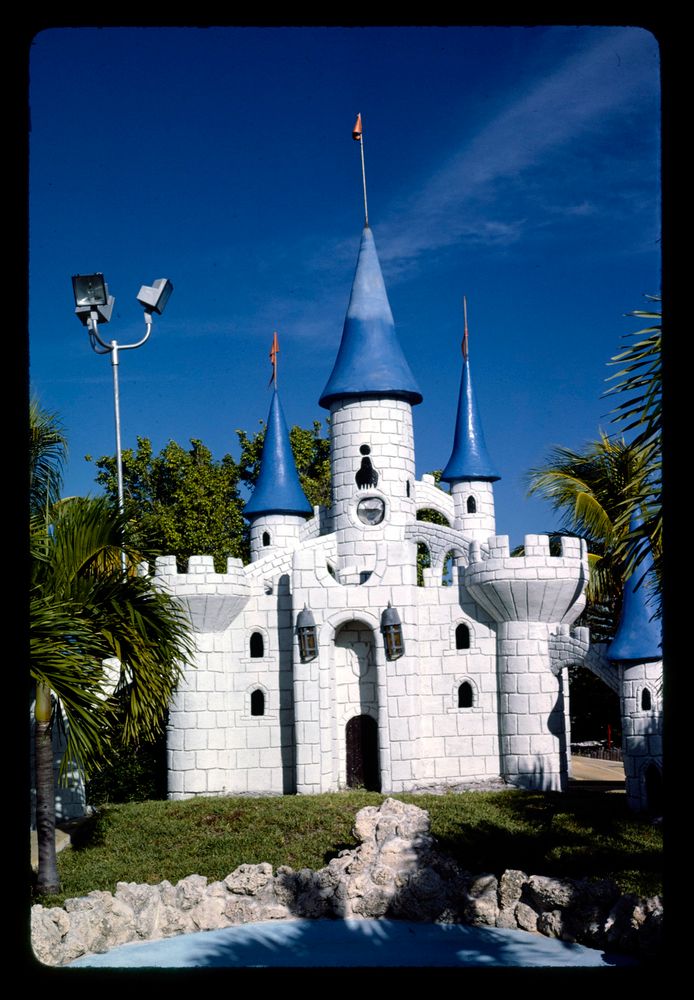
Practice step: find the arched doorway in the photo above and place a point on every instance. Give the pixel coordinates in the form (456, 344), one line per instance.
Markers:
(361, 747)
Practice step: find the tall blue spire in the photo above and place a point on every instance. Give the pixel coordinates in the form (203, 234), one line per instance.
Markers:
(638, 638)
(370, 361)
(469, 458)
(278, 490)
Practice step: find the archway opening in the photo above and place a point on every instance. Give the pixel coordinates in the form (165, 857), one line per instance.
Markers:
(423, 562)
(594, 708)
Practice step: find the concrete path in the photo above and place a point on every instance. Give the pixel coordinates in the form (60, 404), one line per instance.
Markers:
(599, 775)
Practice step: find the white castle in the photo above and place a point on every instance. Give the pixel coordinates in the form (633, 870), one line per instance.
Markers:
(323, 665)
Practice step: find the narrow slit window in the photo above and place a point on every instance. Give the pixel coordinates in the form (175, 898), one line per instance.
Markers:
(462, 637)
(257, 644)
(465, 695)
(257, 702)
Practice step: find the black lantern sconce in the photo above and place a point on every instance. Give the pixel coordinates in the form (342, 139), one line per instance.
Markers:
(308, 635)
(392, 633)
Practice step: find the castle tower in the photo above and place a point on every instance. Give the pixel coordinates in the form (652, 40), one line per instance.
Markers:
(278, 507)
(370, 394)
(636, 650)
(469, 470)
(530, 598)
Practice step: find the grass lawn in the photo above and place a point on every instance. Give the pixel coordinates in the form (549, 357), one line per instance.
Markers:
(577, 834)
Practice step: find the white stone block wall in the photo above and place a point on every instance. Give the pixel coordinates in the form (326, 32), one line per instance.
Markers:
(642, 730)
(515, 725)
(385, 425)
(280, 531)
(216, 746)
(534, 748)
(455, 744)
(480, 525)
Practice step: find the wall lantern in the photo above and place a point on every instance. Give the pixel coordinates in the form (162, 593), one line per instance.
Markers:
(308, 635)
(392, 633)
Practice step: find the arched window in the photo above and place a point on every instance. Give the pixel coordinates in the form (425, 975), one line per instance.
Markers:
(266, 538)
(462, 637)
(646, 700)
(471, 505)
(257, 702)
(465, 698)
(257, 645)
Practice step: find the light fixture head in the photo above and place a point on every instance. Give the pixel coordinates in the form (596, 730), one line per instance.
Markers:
(91, 297)
(89, 290)
(153, 298)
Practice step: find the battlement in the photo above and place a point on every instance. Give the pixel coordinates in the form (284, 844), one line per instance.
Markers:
(211, 599)
(535, 586)
(536, 547)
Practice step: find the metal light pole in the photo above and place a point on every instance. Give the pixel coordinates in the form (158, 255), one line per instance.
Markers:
(94, 305)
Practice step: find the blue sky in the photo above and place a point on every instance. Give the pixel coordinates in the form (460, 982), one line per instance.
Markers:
(516, 166)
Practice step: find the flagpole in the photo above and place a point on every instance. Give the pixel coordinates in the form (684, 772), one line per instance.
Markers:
(465, 346)
(274, 351)
(363, 178)
(358, 134)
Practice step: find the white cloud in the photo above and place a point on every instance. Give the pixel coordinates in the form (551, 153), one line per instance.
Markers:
(614, 74)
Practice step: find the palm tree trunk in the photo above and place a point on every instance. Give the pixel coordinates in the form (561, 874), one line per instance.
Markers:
(48, 881)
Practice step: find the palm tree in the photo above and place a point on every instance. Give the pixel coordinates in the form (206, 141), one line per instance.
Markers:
(589, 489)
(640, 389)
(85, 608)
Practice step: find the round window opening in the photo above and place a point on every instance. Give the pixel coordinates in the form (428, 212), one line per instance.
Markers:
(371, 510)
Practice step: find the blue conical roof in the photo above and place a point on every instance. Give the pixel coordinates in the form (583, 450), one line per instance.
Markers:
(469, 458)
(370, 361)
(278, 490)
(639, 636)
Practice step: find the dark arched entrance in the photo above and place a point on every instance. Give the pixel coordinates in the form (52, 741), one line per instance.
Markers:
(361, 745)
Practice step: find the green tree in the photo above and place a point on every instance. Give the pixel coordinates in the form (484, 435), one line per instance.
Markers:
(587, 489)
(187, 503)
(641, 411)
(179, 502)
(86, 609)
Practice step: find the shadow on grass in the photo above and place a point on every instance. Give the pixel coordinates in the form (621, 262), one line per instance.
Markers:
(569, 835)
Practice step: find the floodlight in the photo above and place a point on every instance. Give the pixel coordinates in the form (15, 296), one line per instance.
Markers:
(89, 290)
(154, 298)
(103, 312)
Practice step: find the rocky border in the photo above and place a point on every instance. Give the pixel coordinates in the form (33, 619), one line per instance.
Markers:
(395, 872)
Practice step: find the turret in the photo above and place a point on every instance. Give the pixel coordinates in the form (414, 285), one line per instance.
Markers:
(636, 651)
(278, 507)
(530, 598)
(470, 470)
(370, 394)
